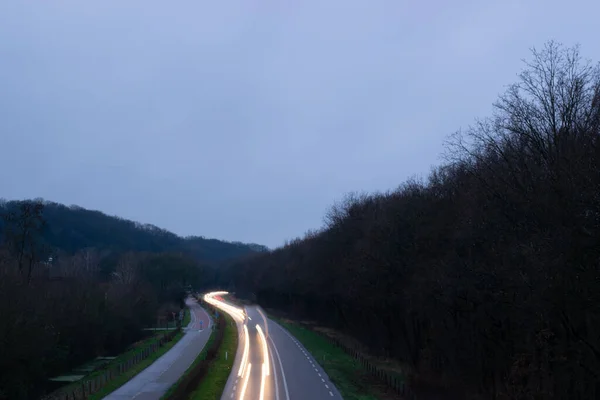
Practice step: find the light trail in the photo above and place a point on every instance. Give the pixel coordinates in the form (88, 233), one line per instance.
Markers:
(245, 385)
(235, 312)
(265, 320)
(263, 378)
(265, 348)
(265, 365)
(240, 316)
(246, 350)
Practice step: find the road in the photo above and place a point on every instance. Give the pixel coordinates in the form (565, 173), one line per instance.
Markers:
(271, 364)
(154, 381)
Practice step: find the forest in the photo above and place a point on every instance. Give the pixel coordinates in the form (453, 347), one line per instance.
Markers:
(485, 274)
(76, 284)
(72, 228)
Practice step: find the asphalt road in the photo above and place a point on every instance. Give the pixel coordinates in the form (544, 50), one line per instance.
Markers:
(302, 376)
(155, 380)
(291, 372)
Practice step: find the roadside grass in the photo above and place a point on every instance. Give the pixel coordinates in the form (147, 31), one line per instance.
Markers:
(187, 318)
(198, 359)
(125, 377)
(390, 366)
(212, 385)
(135, 348)
(348, 375)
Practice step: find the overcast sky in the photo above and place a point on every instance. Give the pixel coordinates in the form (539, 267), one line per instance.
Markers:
(246, 119)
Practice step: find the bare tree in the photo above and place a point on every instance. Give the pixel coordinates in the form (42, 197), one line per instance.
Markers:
(23, 233)
(487, 274)
(557, 98)
(127, 269)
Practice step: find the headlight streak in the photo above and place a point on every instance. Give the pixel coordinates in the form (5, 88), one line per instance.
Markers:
(265, 365)
(246, 350)
(263, 378)
(263, 339)
(245, 367)
(236, 313)
(245, 385)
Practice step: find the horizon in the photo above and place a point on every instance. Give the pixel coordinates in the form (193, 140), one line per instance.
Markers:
(247, 121)
(3, 202)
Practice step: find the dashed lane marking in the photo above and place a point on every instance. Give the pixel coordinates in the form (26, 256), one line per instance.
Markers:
(308, 358)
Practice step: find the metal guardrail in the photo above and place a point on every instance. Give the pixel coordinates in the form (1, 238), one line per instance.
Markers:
(95, 384)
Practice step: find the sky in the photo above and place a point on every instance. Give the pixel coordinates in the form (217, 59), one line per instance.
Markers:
(245, 120)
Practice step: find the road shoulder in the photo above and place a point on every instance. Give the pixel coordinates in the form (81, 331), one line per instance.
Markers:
(155, 380)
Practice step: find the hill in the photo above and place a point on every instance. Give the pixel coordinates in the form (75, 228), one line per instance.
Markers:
(72, 228)
(483, 279)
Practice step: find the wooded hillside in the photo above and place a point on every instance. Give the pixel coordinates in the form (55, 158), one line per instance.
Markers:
(107, 280)
(72, 228)
(484, 275)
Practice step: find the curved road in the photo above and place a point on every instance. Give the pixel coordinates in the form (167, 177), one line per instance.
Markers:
(155, 380)
(270, 363)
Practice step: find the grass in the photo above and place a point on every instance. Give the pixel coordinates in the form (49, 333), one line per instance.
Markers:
(353, 382)
(120, 380)
(187, 317)
(198, 359)
(213, 384)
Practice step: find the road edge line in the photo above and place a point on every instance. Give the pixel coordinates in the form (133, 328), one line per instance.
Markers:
(287, 393)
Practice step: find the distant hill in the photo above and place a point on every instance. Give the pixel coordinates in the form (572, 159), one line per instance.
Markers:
(71, 228)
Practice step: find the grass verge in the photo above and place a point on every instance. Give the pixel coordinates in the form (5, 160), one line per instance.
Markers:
(120, 380)
(198, 359)
(187, 318)
(349, 377)
(213, 384)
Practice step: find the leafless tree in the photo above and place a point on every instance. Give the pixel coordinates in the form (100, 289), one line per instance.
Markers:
(487, 273)
(24, 228)
(127, 269)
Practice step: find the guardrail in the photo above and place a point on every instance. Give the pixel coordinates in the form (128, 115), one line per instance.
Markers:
(93, 385)
(399, 386)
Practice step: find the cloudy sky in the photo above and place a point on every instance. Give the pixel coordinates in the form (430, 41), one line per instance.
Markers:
(246, 119)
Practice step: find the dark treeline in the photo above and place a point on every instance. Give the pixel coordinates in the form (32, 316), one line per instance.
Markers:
(72, 228)
(76, 284)
(484, 274)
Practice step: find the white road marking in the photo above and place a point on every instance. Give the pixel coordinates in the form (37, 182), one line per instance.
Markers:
(245, 385)
(287, 394)
(307, 357)
(275, 377)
